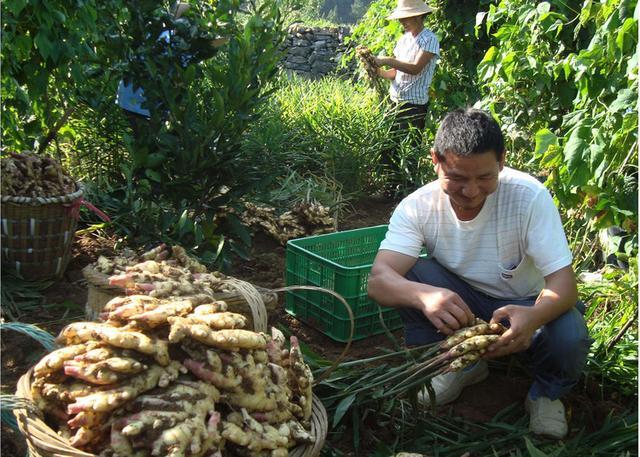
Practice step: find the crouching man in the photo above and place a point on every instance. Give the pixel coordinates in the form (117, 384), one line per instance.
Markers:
(497, 250)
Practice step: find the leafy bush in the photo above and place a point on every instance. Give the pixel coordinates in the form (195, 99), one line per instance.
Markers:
(186, 161)
(567, 73)
(612, 315)
(54, 61)
(170, 174)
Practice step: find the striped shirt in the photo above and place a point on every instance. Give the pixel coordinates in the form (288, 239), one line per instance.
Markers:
(505, 251)
(406, 88)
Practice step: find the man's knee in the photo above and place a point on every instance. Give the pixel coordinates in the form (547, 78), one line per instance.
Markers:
(567, 342)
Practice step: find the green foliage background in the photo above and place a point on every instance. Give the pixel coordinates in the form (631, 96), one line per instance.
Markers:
(167, 177)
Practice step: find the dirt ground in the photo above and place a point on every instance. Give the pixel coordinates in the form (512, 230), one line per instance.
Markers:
(266, 268)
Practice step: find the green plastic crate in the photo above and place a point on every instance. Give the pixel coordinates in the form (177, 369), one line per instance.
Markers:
(340, 262)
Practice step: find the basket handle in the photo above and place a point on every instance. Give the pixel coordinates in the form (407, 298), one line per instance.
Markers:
(46, 339)
(253, 299)
(341, 299)
(10, 402)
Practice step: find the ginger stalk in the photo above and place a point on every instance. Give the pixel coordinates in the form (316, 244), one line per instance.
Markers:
(217, 321)
(158, 316)
(300, 379)
(122, 338)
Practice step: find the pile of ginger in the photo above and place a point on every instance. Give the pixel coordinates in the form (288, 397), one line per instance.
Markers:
(161, 272)
(170, 377)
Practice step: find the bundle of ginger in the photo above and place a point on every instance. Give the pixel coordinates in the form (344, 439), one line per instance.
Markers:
(304, 219)
(175, 378)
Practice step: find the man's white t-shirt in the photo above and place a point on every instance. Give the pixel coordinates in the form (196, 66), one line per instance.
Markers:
(505, 251)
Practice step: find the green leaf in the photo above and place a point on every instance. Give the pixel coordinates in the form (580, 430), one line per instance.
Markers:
(585, 12)
(553, 157)
(154, 160)
(15, 6)
(627, 33)
(59, 15)
(535, 452)
(239, 249)
(153, 175)
(480, 16)
(543, 7)
(342, 408)
(490, 54)
(625, 100)
(22, 46)
(580, 175)
(190, 74)
(239, 230)
(198, 234)
(596, 156)
(544, 138)
(182, 223)
(43, 44)
(575, 150)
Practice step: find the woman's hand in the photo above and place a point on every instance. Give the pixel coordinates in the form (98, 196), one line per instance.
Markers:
(381, 60)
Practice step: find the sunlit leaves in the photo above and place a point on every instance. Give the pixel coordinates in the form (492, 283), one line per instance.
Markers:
(560, 71)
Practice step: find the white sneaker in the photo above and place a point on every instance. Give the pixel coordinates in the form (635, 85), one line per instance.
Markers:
(448, 386)
(546, 417)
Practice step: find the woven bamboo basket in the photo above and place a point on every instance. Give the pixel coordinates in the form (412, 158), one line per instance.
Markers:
(100, 292)
(37, 234)
(44, 442)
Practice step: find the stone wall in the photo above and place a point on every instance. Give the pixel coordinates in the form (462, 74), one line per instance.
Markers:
(314, 52)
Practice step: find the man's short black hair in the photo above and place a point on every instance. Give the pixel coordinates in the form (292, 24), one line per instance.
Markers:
(469, 131)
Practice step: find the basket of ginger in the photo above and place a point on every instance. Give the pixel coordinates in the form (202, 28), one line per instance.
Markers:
(167, 271)
(168, 377)
(40, 204)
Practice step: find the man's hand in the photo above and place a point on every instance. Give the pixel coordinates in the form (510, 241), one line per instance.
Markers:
(388, 286)
(523, 324)
(557, 297)
(445, 309)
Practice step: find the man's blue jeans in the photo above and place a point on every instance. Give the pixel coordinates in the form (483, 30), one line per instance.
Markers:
(558, 351)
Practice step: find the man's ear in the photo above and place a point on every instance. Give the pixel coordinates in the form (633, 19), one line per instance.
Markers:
(434, 157)
(502, 160)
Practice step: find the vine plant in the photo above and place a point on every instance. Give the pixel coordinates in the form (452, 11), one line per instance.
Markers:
(563, 75)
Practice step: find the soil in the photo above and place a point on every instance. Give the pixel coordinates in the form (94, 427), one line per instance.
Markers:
(266, 269)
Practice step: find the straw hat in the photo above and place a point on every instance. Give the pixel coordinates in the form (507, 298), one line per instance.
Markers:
(409, 8)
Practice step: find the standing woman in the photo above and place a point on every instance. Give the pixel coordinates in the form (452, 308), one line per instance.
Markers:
(411, 69)
(414, 61)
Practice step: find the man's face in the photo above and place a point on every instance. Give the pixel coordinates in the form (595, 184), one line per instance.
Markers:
(468, 180)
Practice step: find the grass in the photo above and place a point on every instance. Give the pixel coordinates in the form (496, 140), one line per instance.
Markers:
(336, 130)
(612, 316)
(20, 296)
(362, 402)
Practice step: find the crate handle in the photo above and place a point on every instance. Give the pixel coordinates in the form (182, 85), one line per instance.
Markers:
(341, 299)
